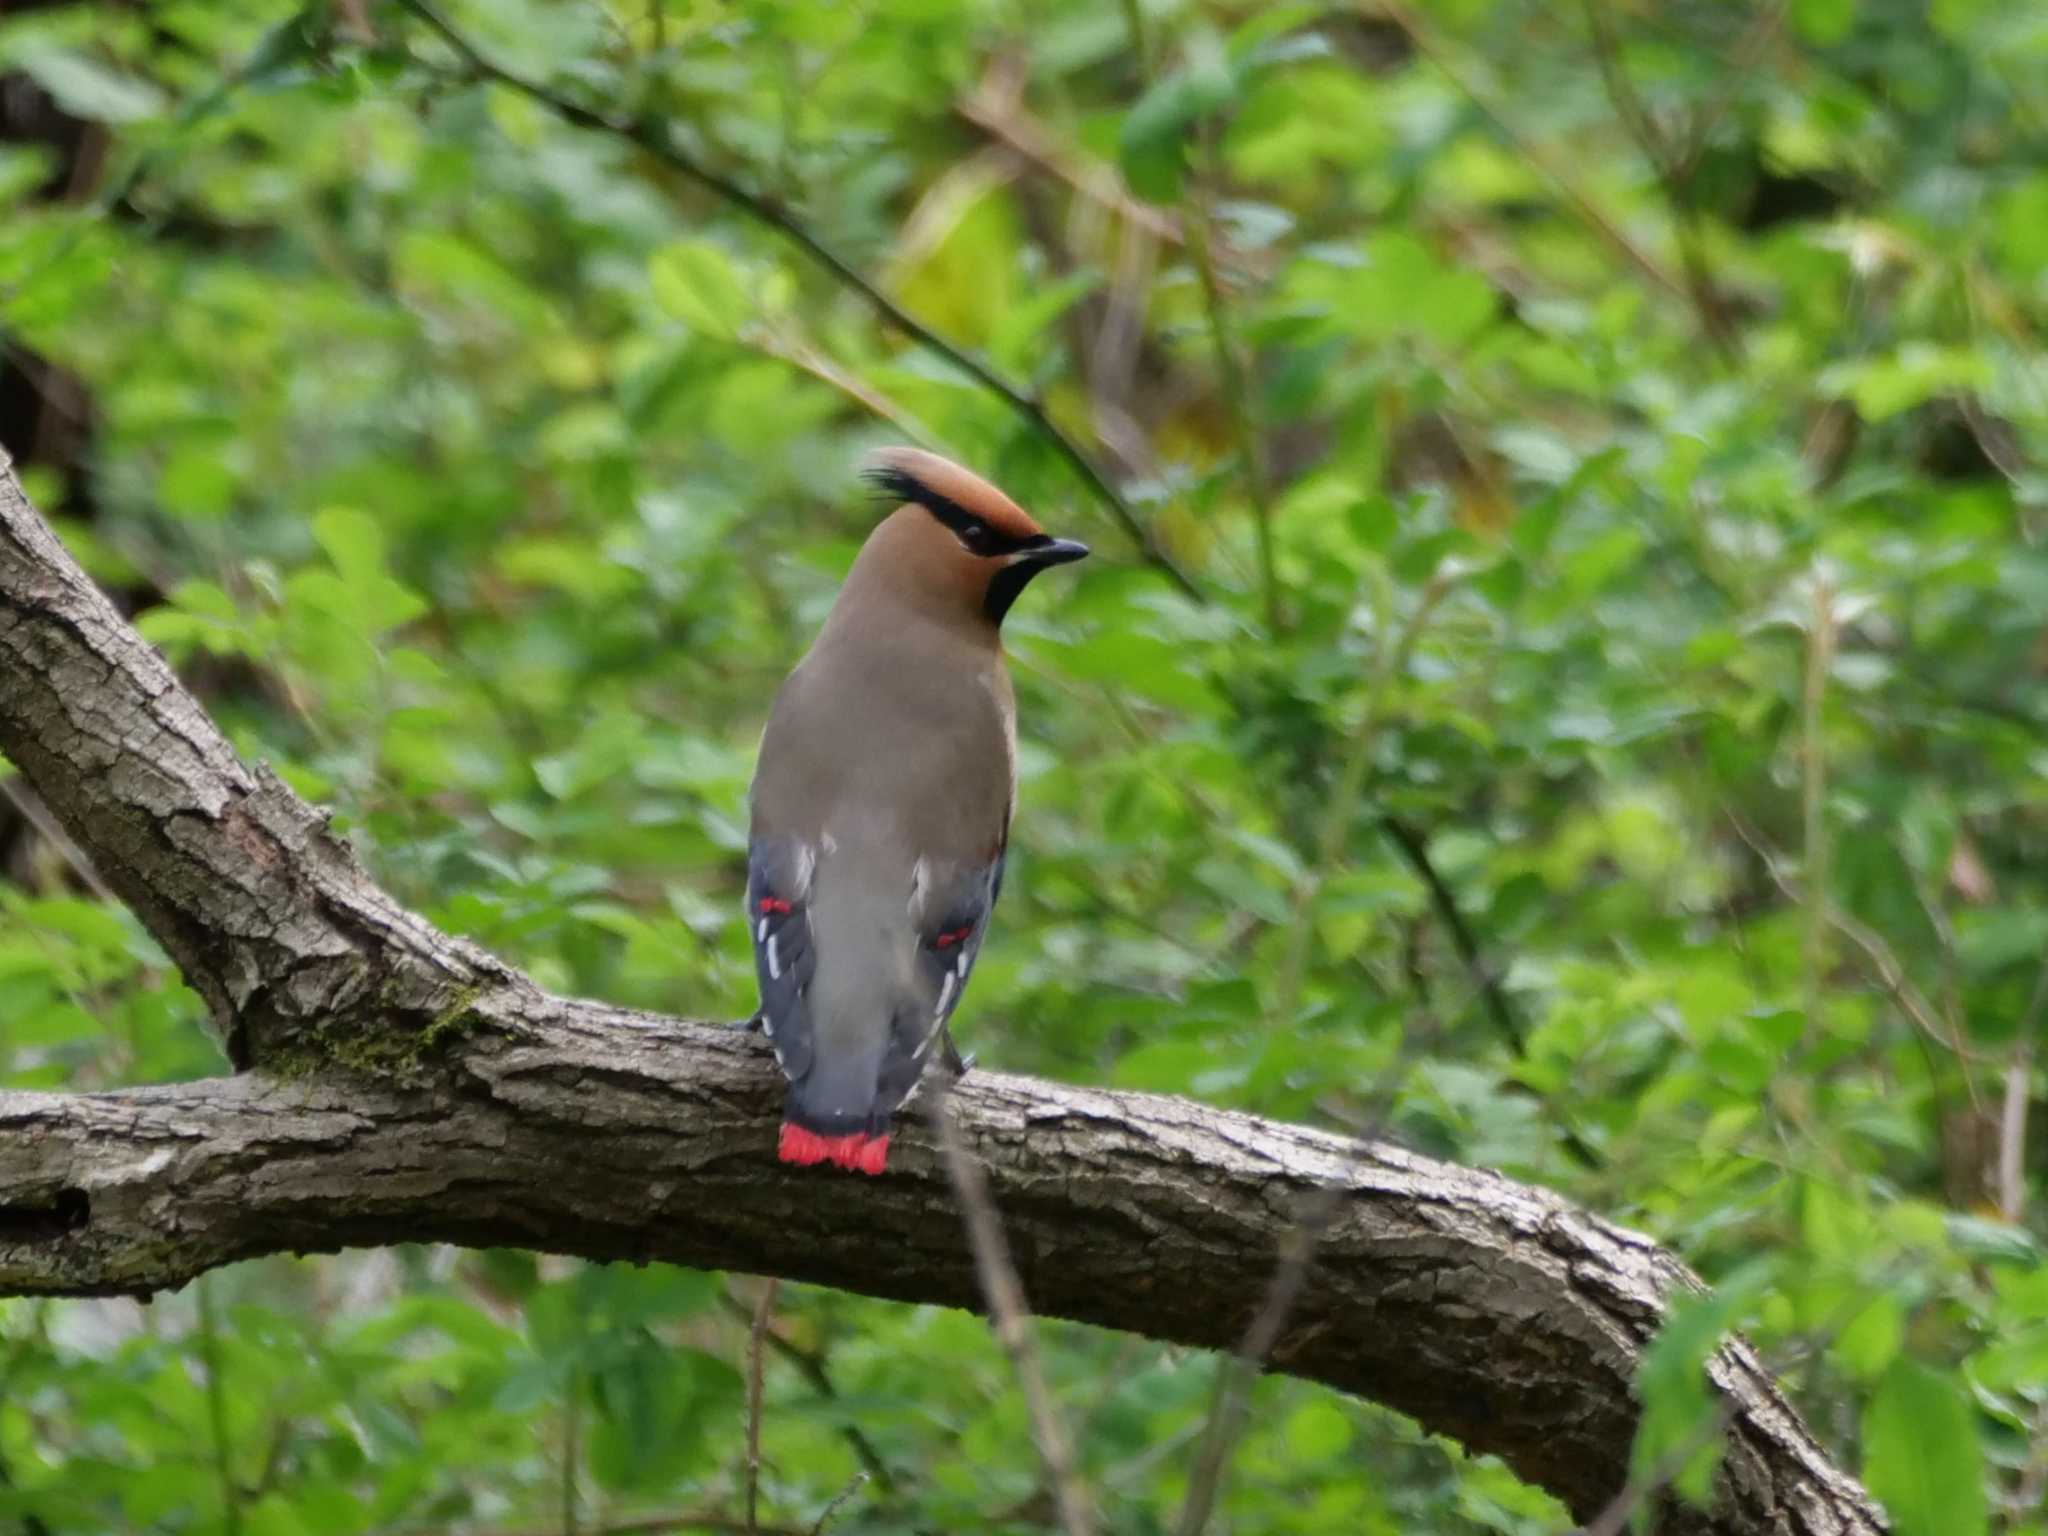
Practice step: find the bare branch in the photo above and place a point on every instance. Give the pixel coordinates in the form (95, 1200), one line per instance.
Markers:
(1237, 393)
(993, 107)
(270, 918)
(671, 1521)
(762, 1311)
(1236, 1375)
(1891, 974)
(1675, 185)
(831, 1511)
(2012, 1120)
(1011, 1316)
(30, 809)
(1234, 1383)
(1614, 1519)
(810, 1364)
(1581, 202)
(1492, 1312)
(408, 1087)
(655, 138)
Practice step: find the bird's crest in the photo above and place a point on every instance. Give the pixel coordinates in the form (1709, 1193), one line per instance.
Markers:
(955, 496)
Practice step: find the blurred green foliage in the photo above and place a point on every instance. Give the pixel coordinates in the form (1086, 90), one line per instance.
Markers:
(1619, 478)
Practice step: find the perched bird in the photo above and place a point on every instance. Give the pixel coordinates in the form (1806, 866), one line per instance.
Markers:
(881, 805)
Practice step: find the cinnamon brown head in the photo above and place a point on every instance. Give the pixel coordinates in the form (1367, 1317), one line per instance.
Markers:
(958, 534)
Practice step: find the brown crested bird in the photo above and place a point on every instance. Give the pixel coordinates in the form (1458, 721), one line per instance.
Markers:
(881, 805)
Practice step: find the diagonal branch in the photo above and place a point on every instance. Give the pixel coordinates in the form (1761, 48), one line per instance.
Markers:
(269, 917)
(1010, 1318)
(1590, 213)
(1491, 1312)
(407, 1087)
(656, 139)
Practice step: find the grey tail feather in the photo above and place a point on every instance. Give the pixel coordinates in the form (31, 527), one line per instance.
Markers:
(812, 1103)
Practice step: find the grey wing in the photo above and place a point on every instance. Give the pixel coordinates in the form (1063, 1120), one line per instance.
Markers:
(954, 920)
(779, 871)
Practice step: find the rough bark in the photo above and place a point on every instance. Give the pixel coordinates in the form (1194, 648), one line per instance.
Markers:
(404, 1086)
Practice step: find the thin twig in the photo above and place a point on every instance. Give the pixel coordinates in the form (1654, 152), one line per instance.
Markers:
(1677, 189)
(1008, 1314)
(1581, 201)
(1389, 662)
(2012, 1120)
(299, 35)
(810, 1365)
(1614, 1519)
(804, 357)
(1813, 767)
(654, 137)
(217, 1411)
(630, 1525)
(1748, 54)
(1485, 979)
(572, 1453)
(755, 1335)
(30, 806)
(1890, 973)
(991, 110)
(831, 1511)
(1234, 1380)
(1237, 400)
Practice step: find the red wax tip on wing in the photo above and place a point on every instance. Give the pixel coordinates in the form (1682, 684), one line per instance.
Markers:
(774, 904)
(863, 1154)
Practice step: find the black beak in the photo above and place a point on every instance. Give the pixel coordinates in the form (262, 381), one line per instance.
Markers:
(1027, 562)
(1056, 552)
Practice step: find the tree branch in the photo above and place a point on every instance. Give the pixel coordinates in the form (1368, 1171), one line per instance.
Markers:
(657, 140)
(1590, 213)
(1010, 1317)
(407, 1087)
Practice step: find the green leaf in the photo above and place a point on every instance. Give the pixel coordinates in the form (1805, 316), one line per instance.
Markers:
(1401, 287)
(696, 282)
(1921, 1455)
(1882, 387)
(1153, 142)
(1824, 21)
(1134, 663)
(1870, 1340)
(196, 483)
(352, 541)
(86, 88)
(1678, 1405)
(603, 751)
(1318, 1430)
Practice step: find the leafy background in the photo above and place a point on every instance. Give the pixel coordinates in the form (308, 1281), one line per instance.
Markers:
(1607, 743)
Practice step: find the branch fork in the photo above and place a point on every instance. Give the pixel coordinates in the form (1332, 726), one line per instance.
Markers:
(398, 1084)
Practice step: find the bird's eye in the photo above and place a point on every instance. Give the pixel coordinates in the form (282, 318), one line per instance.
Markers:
(977, 538)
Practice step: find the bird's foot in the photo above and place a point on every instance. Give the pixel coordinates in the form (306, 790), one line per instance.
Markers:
(957, 1064)
(755, 1023)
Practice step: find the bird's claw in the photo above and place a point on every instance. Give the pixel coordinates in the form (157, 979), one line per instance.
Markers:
(755, 1023)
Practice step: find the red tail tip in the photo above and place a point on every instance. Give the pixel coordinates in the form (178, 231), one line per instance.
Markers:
(862, 1153)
